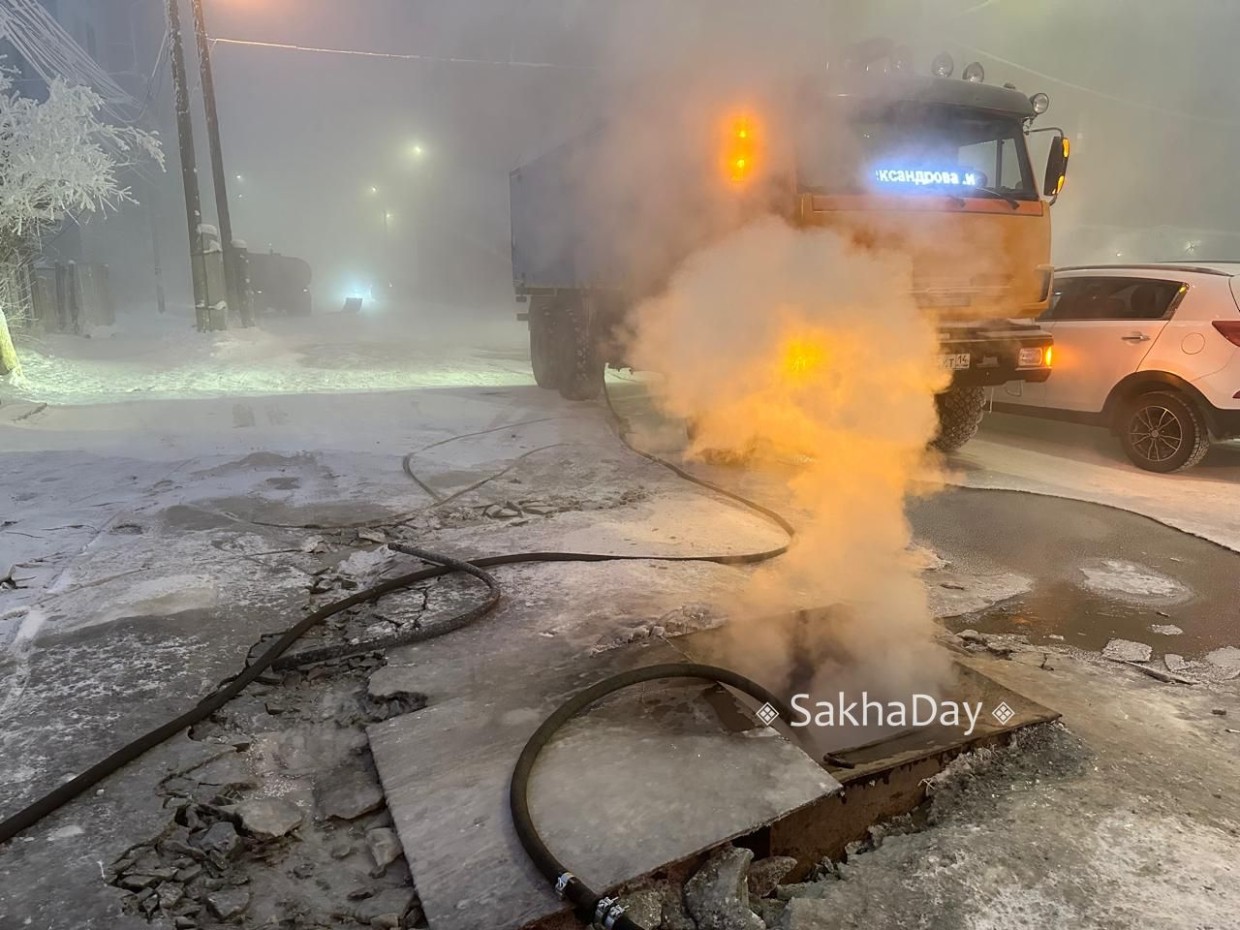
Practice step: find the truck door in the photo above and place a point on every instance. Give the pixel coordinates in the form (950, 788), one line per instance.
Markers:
(1103, 327)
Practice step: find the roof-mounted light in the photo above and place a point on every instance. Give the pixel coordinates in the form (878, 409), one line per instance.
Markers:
(942, 66)
(974, 72)
(1041, 103)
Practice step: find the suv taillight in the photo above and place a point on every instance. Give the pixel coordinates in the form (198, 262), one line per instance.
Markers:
(1230, 330)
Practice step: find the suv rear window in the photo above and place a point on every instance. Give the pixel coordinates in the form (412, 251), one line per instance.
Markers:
(1114, 298)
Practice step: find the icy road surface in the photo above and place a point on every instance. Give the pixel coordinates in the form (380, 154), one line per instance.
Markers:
(1084, 463)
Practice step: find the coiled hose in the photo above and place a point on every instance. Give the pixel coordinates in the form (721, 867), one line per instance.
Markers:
(588, 905)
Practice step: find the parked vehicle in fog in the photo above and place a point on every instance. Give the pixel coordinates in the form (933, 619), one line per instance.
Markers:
(1151, 351)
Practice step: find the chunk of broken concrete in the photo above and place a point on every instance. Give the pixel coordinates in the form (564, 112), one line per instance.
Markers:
(227, 903)
(267, 818)
(137, 882)
(1175, 663)
(1165, 629)
(391, 901)
(307, 750)
(385, 848)
(228, 770)
(770, 910)
(170, 895)
(717, 896)
(220, 839)
(644, 908)
(347, 794)
(766, 874)
(1125, 650)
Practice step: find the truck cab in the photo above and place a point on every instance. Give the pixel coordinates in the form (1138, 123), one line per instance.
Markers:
(932, 166)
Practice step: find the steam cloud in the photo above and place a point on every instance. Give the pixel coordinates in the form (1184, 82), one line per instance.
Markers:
(802, 344)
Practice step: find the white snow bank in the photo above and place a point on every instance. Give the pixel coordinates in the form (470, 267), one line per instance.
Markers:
(150, 356)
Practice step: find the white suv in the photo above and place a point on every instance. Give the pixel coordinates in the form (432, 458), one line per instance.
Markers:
(1152, 351)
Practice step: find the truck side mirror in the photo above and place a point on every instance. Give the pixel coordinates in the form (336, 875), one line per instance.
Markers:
(1056, 166)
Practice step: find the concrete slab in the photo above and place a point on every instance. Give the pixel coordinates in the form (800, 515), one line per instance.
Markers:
(648, 777)
(645, 779)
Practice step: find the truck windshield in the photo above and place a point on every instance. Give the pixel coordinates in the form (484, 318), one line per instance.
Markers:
(916, 148)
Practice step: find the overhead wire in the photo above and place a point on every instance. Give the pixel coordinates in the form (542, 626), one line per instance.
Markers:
(400, 56)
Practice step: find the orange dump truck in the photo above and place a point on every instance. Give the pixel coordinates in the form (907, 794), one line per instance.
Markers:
(934, 166)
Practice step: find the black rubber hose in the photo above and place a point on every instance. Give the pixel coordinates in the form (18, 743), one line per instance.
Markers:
(271, 657)
(227, 690)
(589, 906)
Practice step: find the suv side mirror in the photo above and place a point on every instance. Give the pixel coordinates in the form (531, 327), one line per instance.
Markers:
(1056, 167)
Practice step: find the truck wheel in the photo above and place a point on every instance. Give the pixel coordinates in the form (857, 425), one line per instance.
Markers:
(960, 414)
(1162, 431)
(581, 368)
(543, 356)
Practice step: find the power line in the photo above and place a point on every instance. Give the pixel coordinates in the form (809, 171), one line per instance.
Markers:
(435, 59)
(53, 53)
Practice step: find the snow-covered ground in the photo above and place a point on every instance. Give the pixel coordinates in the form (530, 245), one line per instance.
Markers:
(163, 471)
(156, 485)
(147, 355)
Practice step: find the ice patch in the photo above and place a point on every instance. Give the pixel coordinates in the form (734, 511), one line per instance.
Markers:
(1165, 629)
(65, 832)
(167, 595)
(1227, 658)
(1125, 650)
(1112, 576)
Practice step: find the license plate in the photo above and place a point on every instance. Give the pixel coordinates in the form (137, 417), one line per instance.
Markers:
(955, 362)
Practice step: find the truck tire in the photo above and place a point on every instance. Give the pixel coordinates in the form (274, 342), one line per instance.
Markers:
(544, 359)
(1163, 431)
(581, 367)
(960, 414)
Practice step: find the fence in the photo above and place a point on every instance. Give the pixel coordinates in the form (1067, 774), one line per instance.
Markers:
(59, 297)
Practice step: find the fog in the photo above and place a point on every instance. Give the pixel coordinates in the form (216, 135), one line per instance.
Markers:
(1142, 90)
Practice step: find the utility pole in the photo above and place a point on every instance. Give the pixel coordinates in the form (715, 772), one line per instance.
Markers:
(232, 276)
(152, 217)
(189, 171)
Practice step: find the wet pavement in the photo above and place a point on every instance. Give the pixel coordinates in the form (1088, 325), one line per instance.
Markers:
(1097, 573)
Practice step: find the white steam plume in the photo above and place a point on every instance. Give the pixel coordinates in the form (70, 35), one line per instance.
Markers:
(803, 344)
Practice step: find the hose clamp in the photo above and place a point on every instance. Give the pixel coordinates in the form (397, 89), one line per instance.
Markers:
(561, 884)
(612, 916)
(603, 910)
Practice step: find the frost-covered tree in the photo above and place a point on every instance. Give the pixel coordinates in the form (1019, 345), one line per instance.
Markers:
(58, 160)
